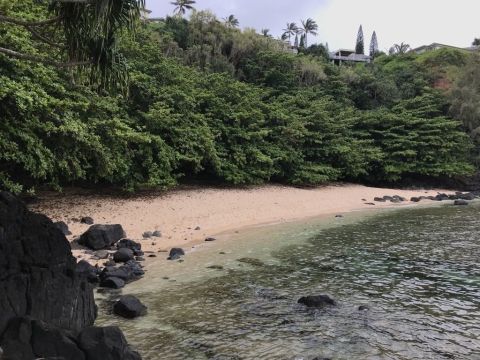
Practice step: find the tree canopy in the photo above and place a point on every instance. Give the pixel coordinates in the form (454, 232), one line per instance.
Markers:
(210, 102)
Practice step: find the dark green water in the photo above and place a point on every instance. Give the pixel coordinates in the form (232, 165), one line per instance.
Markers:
(417, 270)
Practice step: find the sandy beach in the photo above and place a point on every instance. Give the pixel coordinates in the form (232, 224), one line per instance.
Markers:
(186, 217)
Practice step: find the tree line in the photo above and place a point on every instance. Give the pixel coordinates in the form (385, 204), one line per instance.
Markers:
(206, 101)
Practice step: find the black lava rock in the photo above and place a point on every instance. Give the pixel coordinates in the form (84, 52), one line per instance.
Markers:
(63, 227)
(38, 274)
(129, 307)
(318, 301)
(99, 237)
(106, 343)
(112, 283)
(87, 220)
(176, 253)
(123, 255)
(87, 270)
(129, 244)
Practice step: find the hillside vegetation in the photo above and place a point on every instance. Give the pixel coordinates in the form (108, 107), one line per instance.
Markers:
(207, 102)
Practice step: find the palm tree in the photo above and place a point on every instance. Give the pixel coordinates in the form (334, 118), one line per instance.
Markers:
(309, 26)
(231, 21)
(181, 6)
(289, 31)
(399, 49)
(266, 32)
(89, 30)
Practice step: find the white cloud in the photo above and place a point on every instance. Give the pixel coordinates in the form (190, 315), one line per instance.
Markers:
(416, 22)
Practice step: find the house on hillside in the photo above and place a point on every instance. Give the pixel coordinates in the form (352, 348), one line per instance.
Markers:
(348, 56)
(436, 46)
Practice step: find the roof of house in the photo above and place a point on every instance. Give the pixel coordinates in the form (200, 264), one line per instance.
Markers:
(352, 56)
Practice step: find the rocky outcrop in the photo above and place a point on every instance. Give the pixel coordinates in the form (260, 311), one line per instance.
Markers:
(37, 271)
(46, 300)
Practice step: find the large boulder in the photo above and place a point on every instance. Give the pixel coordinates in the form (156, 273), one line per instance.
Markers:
(317, 301)
(38, 275)
(45, 297)
(99, 237)
(129, 307)
(28, 339)
(106, 343)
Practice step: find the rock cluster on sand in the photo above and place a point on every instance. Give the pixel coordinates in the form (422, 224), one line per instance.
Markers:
(47, 307)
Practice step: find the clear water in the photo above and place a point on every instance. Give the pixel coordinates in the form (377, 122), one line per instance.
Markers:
(417, 271)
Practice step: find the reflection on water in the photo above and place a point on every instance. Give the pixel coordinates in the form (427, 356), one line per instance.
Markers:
(417, 271)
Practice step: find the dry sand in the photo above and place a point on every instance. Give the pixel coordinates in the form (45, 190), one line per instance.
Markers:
(178, 213)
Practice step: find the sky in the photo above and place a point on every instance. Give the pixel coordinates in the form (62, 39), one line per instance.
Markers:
(415, 22)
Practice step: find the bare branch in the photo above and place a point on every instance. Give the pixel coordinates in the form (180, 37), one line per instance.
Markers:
(19, 22)
(44, 39)
(39, 59)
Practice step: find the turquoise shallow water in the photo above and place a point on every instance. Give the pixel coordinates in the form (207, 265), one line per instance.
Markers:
(416, 270)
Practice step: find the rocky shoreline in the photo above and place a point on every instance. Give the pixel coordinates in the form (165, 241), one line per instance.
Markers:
(47, 307)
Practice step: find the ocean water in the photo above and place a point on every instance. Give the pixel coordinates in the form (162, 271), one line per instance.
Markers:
(416, 270)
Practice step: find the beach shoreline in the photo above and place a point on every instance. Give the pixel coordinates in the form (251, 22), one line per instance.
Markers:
(186, 217)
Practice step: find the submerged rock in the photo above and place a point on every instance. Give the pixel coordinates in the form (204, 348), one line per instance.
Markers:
(129, 307)
(317, 301)
(176, 253)
(251, 261)
(99, 237)
(460, 203)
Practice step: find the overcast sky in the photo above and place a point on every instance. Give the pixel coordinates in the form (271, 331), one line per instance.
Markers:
(416, 22)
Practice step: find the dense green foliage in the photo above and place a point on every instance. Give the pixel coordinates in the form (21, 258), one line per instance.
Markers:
(210, 102)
